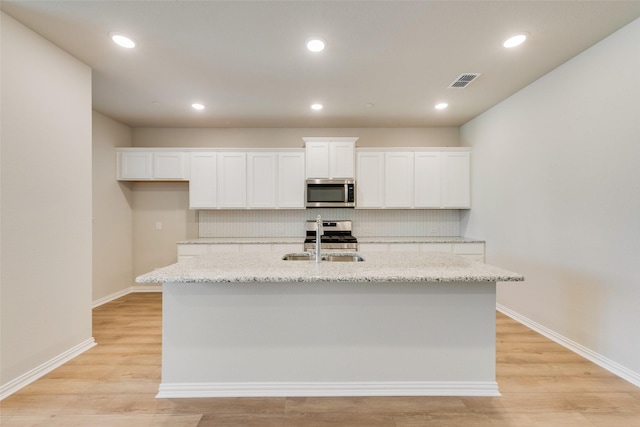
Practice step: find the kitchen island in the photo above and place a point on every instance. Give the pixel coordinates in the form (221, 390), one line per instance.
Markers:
(396, 324)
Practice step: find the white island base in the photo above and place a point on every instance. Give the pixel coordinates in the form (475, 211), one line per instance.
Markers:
(328, 339)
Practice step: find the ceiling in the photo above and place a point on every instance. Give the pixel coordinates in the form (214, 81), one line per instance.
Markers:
(247, 61)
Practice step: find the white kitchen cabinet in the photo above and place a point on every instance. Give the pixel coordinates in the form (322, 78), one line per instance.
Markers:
(373, 247)
(342, 160)
(398, 179)
(432, 178)
(203, 183)
(275, 180)
(169, 165)
(427, 179)
(436, 247)
(404, 247)
(262, 179)
(135, 165)
(224, 248)
(330, 157)
(474, 251)
(317, 159)
(370, 180)
(190, 250)
(470, 250)
(232, 180)
(291, 177)
(456, 188)
(251, 179)
(186, 251)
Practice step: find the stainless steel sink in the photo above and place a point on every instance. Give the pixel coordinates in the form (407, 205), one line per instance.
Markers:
(296, 257)
(328, 258)
(342, 258)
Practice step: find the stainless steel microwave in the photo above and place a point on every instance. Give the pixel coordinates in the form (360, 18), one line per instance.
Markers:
(330, 193)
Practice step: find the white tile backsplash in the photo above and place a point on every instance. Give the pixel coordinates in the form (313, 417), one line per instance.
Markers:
(366, 223)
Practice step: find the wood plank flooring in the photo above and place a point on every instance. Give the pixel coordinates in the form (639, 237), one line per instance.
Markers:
(114, 384)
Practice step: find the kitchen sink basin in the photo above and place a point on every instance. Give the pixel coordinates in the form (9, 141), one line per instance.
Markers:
(342, 258)
(296, 257)
(327, 258)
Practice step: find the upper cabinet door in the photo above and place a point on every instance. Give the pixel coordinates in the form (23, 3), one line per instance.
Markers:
(291, 180)
(232, 180)
(135, 165)
(428, 180)
(398, 179)
(168, 165)
(456, 189)
(317, 160)
(203, 184)
(262, 180)
(254, 179)
(330, 157)
(370, 180)
(341, 163)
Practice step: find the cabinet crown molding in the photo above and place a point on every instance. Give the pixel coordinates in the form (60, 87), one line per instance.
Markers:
(414, 149)
(210, 149)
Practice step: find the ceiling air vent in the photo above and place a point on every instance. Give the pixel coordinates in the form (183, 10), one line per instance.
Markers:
(464, 80)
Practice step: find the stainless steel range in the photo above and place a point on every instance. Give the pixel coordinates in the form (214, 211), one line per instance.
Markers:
(337, 236)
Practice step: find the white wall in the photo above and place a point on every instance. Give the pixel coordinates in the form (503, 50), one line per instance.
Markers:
(112, 212)
(292, 137)
(167, 203)
(556, 191)
(46, 202)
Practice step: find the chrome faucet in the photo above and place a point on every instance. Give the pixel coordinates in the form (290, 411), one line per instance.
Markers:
(319, 233)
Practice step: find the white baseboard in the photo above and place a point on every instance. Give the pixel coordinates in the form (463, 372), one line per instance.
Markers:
(38, 372)
(317, 389)
(111, 297)
(127, 291)
(156, 287)
(611, 366)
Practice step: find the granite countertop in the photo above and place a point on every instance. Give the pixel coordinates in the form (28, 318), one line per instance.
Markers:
(295, 240)
(377, 267)
(241, 240)
(419, 239)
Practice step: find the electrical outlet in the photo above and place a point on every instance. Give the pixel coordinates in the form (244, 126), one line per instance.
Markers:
(158, 225)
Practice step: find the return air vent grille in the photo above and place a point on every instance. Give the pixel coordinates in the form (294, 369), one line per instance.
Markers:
(464, 80)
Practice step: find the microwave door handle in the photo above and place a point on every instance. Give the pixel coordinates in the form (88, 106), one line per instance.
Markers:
(346, 193)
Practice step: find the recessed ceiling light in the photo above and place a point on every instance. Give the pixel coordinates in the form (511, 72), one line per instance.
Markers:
(315, 44)
(514, 41)
(316, 107)
(122, 40)
(198, 106)
(441, 106)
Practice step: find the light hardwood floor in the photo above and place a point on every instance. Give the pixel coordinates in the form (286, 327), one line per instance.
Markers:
(114, 384)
